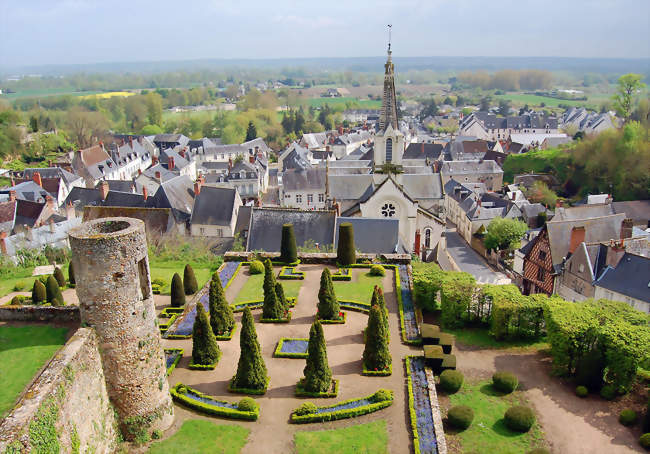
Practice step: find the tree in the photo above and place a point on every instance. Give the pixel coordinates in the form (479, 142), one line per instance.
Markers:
(272, 308)
(85, 126)
(328, 305)
(251, 370)
(154, 108)
(429, 109)
(222, 320)
(485, 103)
(279, 293)
(345, 252)
(189, 280)
(376, 355)
(251, 131)
(205, 349)
(53, 292)
(379, 301)
(71, 277)
(539, 192)
(288, 250)
(504, 107)
(504, 233)
(58, 275)
(318, 376)
(628, 85)
(39, 293)
(177, 291)
(151, 130)
(33, 123)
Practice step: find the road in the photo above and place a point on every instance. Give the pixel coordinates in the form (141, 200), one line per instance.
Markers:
(470, 261)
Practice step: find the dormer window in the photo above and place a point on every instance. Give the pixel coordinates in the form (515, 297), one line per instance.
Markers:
(242, 174)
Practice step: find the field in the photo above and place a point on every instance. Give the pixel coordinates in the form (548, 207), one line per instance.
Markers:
(341, 102)
(110, 94)
(20, 275)
(203, 437)
(359, 439)
(40, 93)
(23, 351)
(534, 100)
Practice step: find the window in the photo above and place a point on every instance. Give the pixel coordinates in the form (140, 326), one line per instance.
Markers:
(220, 233)
(542, 255)
(321, 198)
(298, 198)
(388, 210)
(310, 199)
(581, 268)
(427, 238)
(540, 274)
(287, 196)
(389, 150)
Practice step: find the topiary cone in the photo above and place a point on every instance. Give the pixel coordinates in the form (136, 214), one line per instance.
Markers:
(288, 250)
(71, 277)
(282, 300)
(328, 305)
(58, 275)
(318, 376)
(376, 355)
(251, 370)
(345, 252)
(272, 309)
(39, 294)
(221, 316)
(53, 292)
(177, 291)
(205, 349)
(189, 280)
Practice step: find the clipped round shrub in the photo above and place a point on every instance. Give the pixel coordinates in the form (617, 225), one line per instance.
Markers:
(505, 382)
(19, 286)
(644, 441)
(382, 395)
(247, 404)
(181, 389)
(608, 392)
(39, 293)
(460, 416)
(156, 434)
(256, 267)
(159, 282)
(451, 381)
(538, 451)
(17, 300)
(582, 391)
(306, 408)
(177, 291)
(519, 418)
(377, 270)
(628, 417)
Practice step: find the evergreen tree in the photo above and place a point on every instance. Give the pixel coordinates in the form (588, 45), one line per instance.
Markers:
(282, 299)
(58, 275)
(272, 308)
(189, 280)
(205, 349)
(378, 299)
(376, 354)
(251, 370)
(221, 316)
(345, 252)
(53, 292)
(39, 294)
(71, 277)
(288, 250)
(328, 305)
(251, 131)
(177, 291)
(318, 376)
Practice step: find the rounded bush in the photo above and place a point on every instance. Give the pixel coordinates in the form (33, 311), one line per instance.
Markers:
(451, 381)
(644, 441)
(582, 391)
(608, 392)
(519, 418)
(19, 286)
(159, 282)
(17, 300)
(256, 267)
(377, 270)
(538, 451)
(247, 404)
(60, 278)
(181, 389)
(306, 408)
(505, 382)
(156, 434)
(628, 417)
(460, 416)
(382, 395)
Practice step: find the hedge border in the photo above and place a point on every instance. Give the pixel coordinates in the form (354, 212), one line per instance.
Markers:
(342, 414)
(378, 373)
(333, 322)
(300, 275)
(411, 401)
(339, 276)
(171, 368)
(280, 354)
(169, 311)
(250, 391)
(164, 326)
(227, 337)
(193, 366)
(278, 263)
(277, 320)
(300, 392)
(212, 410)
(234, 274)
(345, 304)
(257, 304)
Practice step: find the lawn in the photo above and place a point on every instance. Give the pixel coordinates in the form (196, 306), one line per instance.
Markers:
(488, 432)
(534, 100)
(252, 289)
(360, 439)
(166, 270)
(39, 93)
(480, 337)
(23, 351)
(359, 288)
(341, 102)
(203, 437)
(19, 275)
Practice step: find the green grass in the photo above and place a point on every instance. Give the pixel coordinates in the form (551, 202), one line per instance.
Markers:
(534, 100)
(479, 337)
(20, 274)
(39, 93)
(359, 439)
(488, 432)
(198, 436)
(166, 271)
(23, 351)
(341, 102)
(252, 289)
(359, 288)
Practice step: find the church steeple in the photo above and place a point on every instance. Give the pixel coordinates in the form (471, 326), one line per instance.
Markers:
(388, 114)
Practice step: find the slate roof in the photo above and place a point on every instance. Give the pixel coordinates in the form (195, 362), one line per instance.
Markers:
(372, 235)
(7, 216)
(583, 212)
(214, 206)
(296, 157)
(84, 196)
(28, 212)
(531, 210)
(177, 194)
(423, 186)
(204, 144)
(638, 210)
(631, 277)
(467, 150)
(470, 167)
(51, 172)
(301, 180)
(529, 120)
(351, 187)
(155, 219)
(28, 190)
(266, 227)
(243, 219)
(124, 199)
(49, 185)
(423, 151)
(122, 186)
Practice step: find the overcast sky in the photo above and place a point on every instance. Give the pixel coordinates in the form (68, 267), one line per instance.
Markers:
(34, 32)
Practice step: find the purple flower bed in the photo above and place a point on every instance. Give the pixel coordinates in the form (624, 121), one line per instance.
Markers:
(170, 357)
(347, 406)
(294, 346)
(227, 272)
(410, 323)
(424, 417)
(206, 400)
(352, 305)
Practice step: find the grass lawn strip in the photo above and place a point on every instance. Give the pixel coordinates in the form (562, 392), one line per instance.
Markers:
(253, 289)
(166, 270)
(359, 288)
(480, 337)
(203, 437)
(23, 275)
(362, 438)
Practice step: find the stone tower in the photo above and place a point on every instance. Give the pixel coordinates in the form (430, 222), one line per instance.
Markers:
(388, 114)
(115, 298)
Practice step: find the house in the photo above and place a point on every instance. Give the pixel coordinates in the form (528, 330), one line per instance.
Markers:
(531, 212)
(56, 181)
(475, 171)
(488, 126)
(165, 141)
(30, 190)
(554, 142)
(430, 151)
(637, 210)
(178, 161)
(316, 140)
(176, 194)
(131, 158)
(94, 164)
(532, 140)
(466, 150)
(245, 177)
(581, 119)
(156, 220)
(304, 189)
(295, 157)
(215, 211)
(344, 144)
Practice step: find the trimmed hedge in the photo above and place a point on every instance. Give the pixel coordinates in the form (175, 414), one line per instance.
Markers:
(411, 400)
(644, 441)
(164, 326)
(189, 280)
(193, 366)
(257, 304)
(288, 250)
(377, 270)
(451, 381)
(378, 373)
(256, 267)
(289, 272)
(519, 418)
(177, 291)
(628, 417)
(334, 322)
(179, 392)
(306, 413)
(357, 306)
(333, 391)
(505, 382)
(460, 416)
(255, 392)
(171, 368)
(277, 320)
(343, 274)
(345, 251)
(305, 409)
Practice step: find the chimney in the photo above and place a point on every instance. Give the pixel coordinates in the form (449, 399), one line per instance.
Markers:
(251, 159)
(145, 193)
(12, 196)
(182, 153)
(417, 242)
(170, 163)
(69, 211)
(577, 237)
(626, 228)
(154, 160)
(197, 187)
(3, 244)
(422, 147)
(37, 179)
(229, 164)
(157, 175)
(615, 253)
(103, 189)
(50, 202)
(139, 172)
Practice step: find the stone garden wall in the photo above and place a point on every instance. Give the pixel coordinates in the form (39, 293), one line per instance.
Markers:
(66, 314)
(324, 258)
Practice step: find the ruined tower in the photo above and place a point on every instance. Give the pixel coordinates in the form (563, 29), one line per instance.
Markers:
(115, 298)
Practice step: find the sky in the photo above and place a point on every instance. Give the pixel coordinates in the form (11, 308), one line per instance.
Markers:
(38, 32)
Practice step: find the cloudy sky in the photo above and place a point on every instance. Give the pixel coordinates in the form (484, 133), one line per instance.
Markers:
(34, 32)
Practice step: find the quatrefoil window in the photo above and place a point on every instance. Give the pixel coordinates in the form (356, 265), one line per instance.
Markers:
(388, 210)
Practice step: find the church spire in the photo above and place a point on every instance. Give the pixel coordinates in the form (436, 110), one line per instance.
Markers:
(388, 114)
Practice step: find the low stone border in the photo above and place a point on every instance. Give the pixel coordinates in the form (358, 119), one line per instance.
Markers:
(435, 412)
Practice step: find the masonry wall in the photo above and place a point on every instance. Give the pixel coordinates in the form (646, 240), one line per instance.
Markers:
(66, 314)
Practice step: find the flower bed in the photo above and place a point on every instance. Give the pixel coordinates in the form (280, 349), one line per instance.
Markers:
(290, 347)
(277, 320)
(346, 409)
(164, 326)
(257, 304)
(340, 321)
(255, 392)
(343, 274)
(424, 436)
(377, 373)
(207, 404)
(407, 319)
(172, 357)
(333, 392)
(289, 272)
(358, 306)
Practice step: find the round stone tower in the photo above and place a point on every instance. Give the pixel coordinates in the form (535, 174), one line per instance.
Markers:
(115, 298)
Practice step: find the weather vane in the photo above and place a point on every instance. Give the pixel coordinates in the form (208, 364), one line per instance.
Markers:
(390, 27)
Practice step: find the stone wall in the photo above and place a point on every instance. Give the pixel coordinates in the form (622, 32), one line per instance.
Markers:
(67, 314)
(328, 258)
(66, 409)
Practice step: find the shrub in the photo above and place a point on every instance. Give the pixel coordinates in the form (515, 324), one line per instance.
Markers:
(460, 416)
(646, 419)
(16, 301)
(256, 267)
(328, 305)
(156, 434)
(318, 376)
(272, 308)
(538, 451)
(251, 370)
(222, 320)
(451, 381)
(177, 291)
(582, 391)
(288, 250)
(282, 300)
(189, 280)
(205, 350)
(306, 408)
(19, 286)
(628, 417)
(39, 293)
(377, 270)
(58, 275)
(53, 292)
(345, 252)
(644, 441)
(159, 282)
(589, 370)
(376, 355)
(71, 278)
(382, 395)
(519, 418)
(378, 299)
(247, 404)
(505, 382)
(608, 392)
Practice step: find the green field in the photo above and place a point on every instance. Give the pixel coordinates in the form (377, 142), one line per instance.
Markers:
(341, 102)
(40, 93)
(534, 100)
(166, 271)
(198, 436)
(252, 289)
(359, 288)
(23, 275)
(370, 438)
(23, 351)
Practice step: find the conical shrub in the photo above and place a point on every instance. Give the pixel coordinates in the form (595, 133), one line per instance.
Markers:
(189, 280)
(221, 316)
(279, 293)
(71, 278)
(288, 250)
(328, 305)
(272, 308)
(378, 300)
(345, 252)
(39, 294)
(177, 291)
(376, 355)
(205, 349)
(318, 376)
(58, 275)
(251, 370)
(53, 292)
